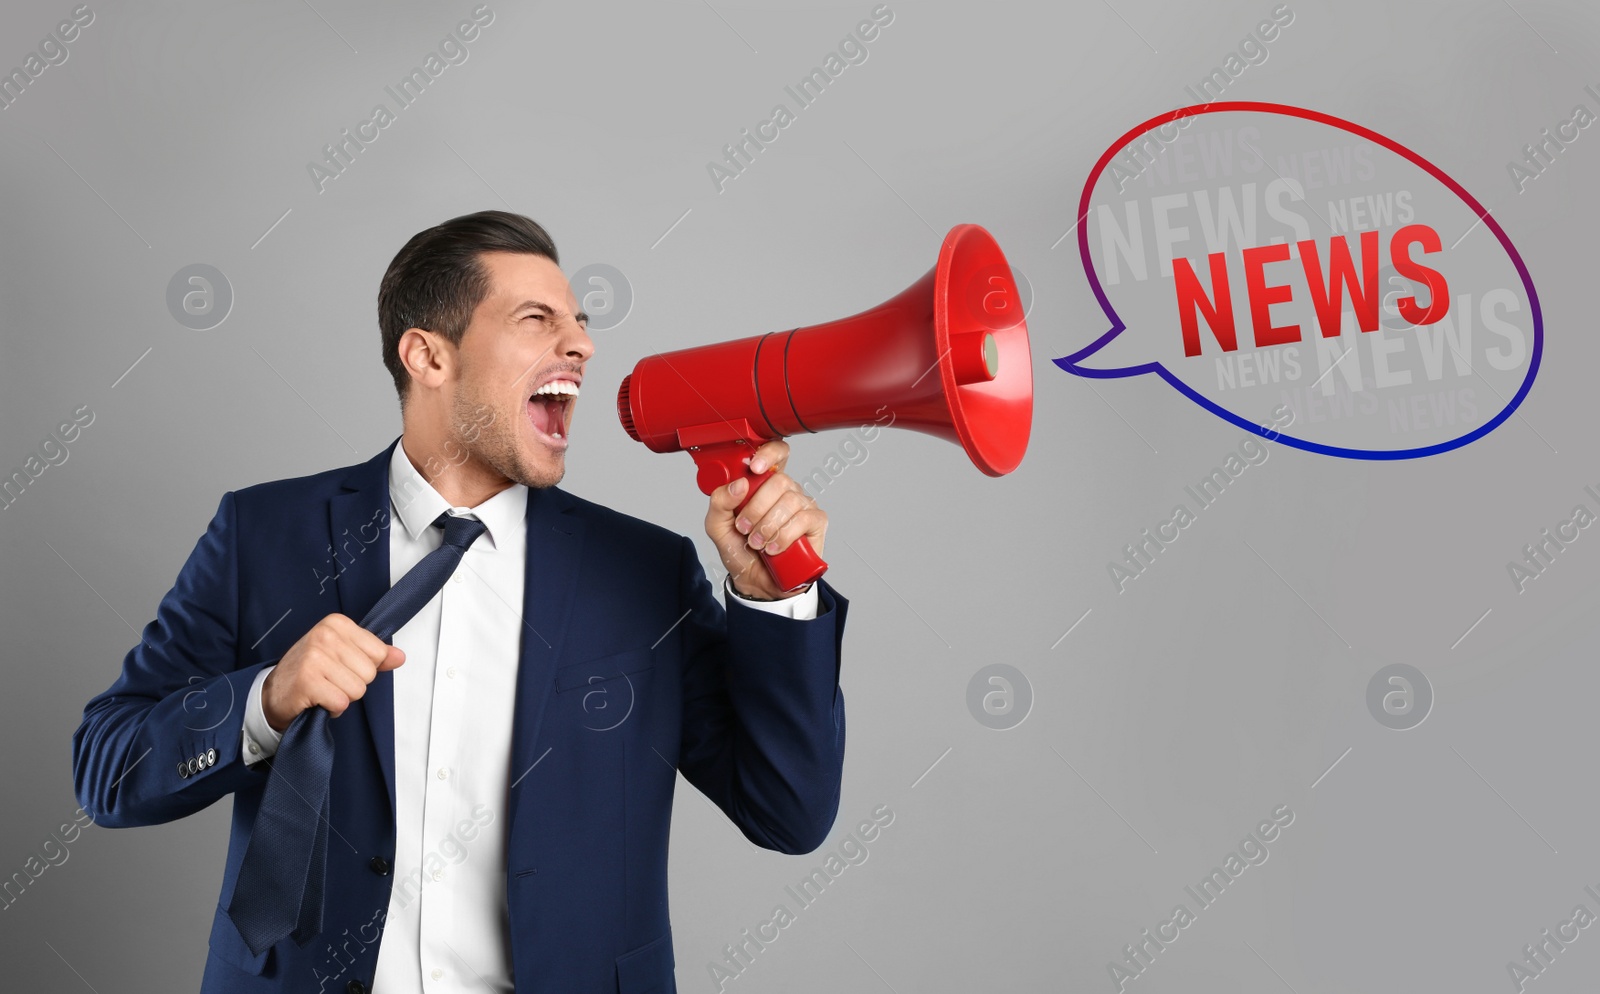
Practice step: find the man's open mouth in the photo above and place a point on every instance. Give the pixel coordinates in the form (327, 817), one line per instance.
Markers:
(550, 410)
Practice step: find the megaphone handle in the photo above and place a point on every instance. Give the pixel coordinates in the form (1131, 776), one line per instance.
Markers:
(719, 465)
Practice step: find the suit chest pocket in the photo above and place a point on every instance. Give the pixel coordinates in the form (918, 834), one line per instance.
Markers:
(604, 693)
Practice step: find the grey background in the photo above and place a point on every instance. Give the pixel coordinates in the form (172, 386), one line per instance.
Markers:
(1223, 683)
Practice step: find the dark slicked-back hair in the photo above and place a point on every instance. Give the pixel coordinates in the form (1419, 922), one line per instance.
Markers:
(438, 279)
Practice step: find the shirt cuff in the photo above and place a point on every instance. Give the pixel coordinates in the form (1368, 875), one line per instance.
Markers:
(800, 607)
(260, 740)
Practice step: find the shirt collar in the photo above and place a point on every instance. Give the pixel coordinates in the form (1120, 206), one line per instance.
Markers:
(418, 504)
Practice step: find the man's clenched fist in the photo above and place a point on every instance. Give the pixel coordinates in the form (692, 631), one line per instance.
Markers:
(329, 667)
(777, 516)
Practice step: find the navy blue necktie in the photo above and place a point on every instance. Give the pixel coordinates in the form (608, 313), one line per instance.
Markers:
(279, 891)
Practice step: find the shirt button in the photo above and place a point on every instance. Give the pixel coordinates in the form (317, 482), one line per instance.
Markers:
(255, 750)
(450, 672)
(438, 874)
(438, 974)
(457, 578)
(444, 774)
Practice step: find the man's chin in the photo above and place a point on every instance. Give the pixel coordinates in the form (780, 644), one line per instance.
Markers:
(540, 473)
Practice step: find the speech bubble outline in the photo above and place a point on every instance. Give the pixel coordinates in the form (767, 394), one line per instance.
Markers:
(1069, 363)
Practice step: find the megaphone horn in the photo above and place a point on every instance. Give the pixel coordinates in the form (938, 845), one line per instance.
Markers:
(948, 356)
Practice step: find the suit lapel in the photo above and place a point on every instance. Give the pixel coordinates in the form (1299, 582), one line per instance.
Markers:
(555, 547)
(359, 520)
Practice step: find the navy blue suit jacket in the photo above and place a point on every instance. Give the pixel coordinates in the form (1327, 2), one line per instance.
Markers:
(744, 703)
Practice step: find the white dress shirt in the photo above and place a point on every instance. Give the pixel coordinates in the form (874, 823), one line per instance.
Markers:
(447, 925)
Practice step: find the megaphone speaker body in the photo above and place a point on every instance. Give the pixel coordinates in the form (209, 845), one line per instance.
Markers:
(948, 357)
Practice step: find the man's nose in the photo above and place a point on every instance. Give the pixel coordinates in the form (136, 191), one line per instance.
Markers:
(578, 344)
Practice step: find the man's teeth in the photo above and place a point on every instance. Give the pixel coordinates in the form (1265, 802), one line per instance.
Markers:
(557, 388)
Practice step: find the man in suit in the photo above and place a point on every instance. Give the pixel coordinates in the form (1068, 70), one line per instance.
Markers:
(498, 805)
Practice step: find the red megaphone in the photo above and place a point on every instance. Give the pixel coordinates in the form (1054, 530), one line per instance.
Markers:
(948, 356)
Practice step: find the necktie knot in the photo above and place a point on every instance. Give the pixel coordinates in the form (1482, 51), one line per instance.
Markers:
(459, 532)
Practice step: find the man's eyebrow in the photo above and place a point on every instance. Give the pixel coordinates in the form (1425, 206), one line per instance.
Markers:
(580, 317)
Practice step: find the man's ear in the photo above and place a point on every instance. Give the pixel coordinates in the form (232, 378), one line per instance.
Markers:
(428, 357)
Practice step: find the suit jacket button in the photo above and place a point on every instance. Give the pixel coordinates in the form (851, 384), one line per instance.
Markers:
(380, 866)
(183, 770)
(194, 766)
(211, 757)
(356, 987)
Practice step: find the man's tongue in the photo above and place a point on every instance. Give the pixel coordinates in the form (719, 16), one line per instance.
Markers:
(547, 414)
